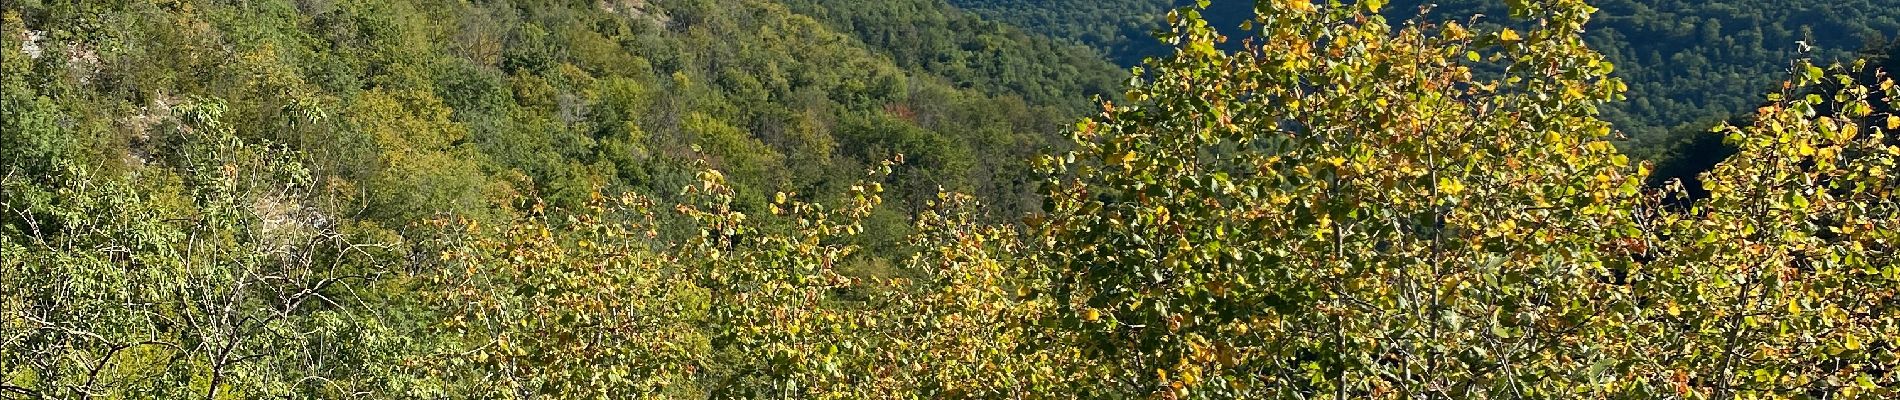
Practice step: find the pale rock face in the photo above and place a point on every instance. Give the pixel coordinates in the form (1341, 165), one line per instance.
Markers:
(82, 59)
(287, 224)
(31, 46)
(138, 151)
(635, 8)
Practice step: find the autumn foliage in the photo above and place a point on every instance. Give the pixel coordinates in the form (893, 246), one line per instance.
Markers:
(1348, 208)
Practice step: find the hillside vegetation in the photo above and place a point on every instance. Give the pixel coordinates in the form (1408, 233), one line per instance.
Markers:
(763, 199)
(1689, 64)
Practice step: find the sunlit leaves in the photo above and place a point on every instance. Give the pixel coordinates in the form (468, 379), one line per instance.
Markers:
(1342, 210)
(1371, 193)
(1790, 226)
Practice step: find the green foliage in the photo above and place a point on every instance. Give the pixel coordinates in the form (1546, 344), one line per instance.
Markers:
(738, 153)
(33, 142)
(406, 118)
(421, 170)
(1121, 30)
(1351, 214)
(1791, 262)
(218, 280)
(1689, 64)
(968, 50)
(625, 199)
(596, 306)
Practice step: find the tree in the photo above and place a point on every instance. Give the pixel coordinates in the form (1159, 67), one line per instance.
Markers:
(232, 287)
(1346, 211)
(1340, 209)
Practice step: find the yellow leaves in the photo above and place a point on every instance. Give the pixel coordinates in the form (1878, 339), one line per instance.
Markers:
(1600, 146)
(1450, 186)
(1217, 288)
(1302, 6)
(1852, 343)
(1573, 93)
(1204, 48)
(1280, 199)
(711, 178)
(1509, 36)
(1794, 307)
(1501, 228)
(1893, 121)
(1454, 31)
(1126, 159)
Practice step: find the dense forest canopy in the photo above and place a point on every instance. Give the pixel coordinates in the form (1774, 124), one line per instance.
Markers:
(902, 199)
(1689, 64)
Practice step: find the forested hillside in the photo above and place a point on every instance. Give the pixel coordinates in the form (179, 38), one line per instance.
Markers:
(422, 108)
(1689, 64)
(1121, 30)
(272, 125)
(927, 35)
(897, 199)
